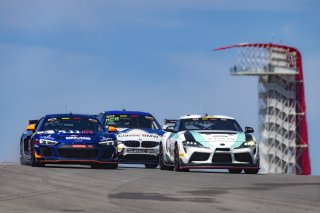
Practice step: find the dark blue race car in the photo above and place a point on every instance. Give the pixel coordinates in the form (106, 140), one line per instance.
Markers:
(69, 139)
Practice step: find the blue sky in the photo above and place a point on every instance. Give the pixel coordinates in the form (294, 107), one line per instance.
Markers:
(145, 55)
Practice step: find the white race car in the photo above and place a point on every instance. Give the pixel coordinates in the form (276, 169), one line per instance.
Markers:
(209, 142)
(138, 134)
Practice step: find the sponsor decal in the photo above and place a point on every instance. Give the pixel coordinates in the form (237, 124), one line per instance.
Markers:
(79, 146)
(138, 135)
(111, 118)
(46, 132)
(47, 137)
(69, 131)
(78, 138)
(106, 139)
(140, 151)
(128, 135)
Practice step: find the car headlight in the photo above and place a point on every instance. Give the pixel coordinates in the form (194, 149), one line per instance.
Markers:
(107, 143)
(192, 143)
(248, 144)
(47, 142)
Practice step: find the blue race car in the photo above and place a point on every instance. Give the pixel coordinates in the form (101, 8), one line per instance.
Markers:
(138, 134)
(69, 139)
(25, 140)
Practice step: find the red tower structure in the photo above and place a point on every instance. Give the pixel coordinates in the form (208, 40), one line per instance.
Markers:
(282, 112)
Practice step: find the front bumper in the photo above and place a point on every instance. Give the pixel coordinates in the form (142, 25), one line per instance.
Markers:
(138, 154)
(67, 154)
(219, 157)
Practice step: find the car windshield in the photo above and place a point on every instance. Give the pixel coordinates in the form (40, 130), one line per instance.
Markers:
(132, 121)
(210, 124)
(73, 123)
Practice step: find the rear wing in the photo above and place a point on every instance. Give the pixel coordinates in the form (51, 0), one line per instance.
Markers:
(32, 125)
(170, 122)
(33, 122)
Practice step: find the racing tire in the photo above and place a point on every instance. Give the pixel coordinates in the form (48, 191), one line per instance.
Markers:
(235, 171)
(111, 166)
(94, 166)
(105, 166)
(251, 171)
(22, 160)
(151, 166)
(177, 162)
(34, 162)
(161, 161)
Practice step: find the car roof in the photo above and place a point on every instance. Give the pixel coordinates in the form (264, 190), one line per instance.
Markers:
(124, 112)
(190, 116)
(208, 116)
(69, 115)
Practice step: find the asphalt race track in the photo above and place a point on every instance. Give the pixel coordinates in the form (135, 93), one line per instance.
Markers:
(81, 189)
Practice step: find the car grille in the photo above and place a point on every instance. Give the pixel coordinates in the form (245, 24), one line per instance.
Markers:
(197, 156)
(223, 149)
(77, 153)
(221, 158)
(139, 158)
(46, 151)
(149, 144)
(243, 157)
(131, 143)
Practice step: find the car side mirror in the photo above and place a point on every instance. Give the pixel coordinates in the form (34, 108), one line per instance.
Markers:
(249, 129)
(169, 129)
(112, 129)
(31, 127)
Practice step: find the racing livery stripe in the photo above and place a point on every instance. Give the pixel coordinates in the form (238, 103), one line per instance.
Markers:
(241, 137)
(174, 135)
(200, 139)
(146, 131)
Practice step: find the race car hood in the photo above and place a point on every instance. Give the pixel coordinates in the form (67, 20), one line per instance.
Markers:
(75, 136)
(211, 138)
(139, 135)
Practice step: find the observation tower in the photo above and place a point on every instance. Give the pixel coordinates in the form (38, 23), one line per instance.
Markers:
(282, 109)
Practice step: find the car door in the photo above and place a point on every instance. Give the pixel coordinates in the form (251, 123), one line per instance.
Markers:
(172, 140)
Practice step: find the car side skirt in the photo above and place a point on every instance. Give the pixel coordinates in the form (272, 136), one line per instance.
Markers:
(218, 167)
(88, 162)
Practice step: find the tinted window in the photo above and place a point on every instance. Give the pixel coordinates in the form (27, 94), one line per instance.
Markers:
(132, 121)
(177, 126)
(72, 123)
(39, 124)
(210, 124)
